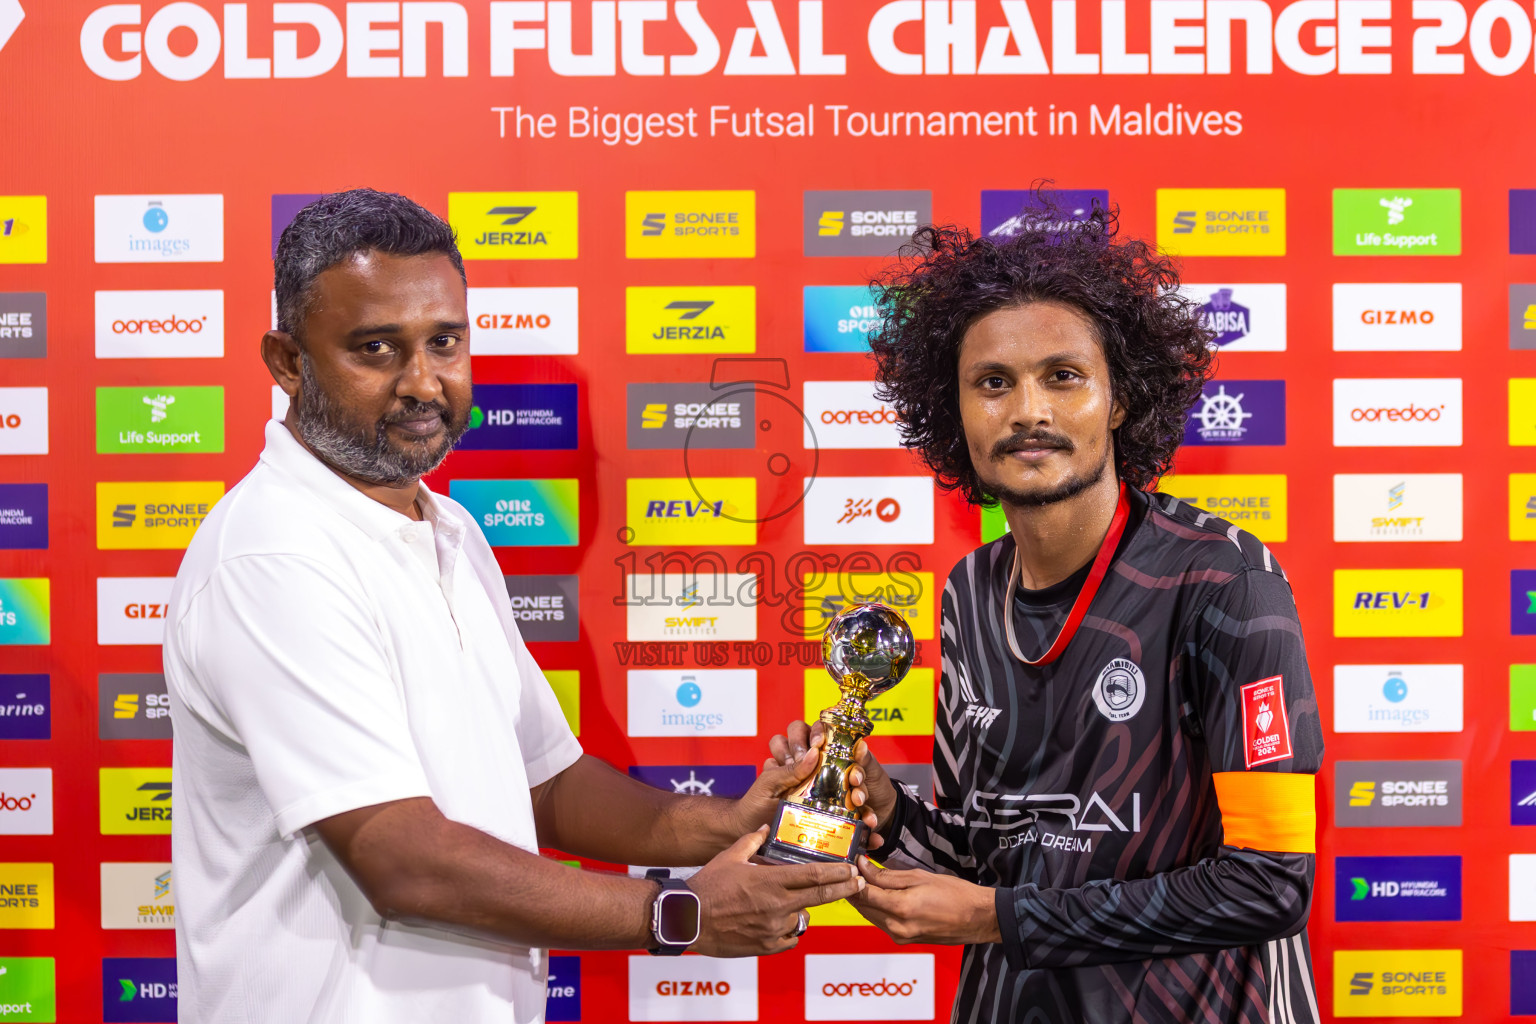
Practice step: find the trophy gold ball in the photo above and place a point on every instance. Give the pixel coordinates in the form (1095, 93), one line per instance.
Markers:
(867, 650)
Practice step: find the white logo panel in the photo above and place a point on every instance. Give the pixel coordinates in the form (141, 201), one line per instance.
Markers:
(1243, 317)
(137, 895)
(23, 421)
(1397, 698)
(846, 414)
(1397, 506)
(1397, 317)
(701, 702)
(692, 988)
(682, 607)
(896, 986)
(869, 510)
(131, 609)
(1400, 412)
(1522, 887)
(160, 325)
(160, 229)
(26, 801)
(523, 321)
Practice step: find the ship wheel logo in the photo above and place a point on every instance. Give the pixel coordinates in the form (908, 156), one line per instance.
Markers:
(693, 785)
(1221, 416)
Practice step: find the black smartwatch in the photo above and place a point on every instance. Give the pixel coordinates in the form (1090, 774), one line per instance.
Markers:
(675, 915)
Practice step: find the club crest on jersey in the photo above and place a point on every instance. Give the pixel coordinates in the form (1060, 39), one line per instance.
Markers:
(1266, 732)
(1120, 690)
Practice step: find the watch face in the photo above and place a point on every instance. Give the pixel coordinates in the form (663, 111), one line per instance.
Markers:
(679, 918)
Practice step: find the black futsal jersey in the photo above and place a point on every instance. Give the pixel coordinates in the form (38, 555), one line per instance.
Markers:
(1143, 805)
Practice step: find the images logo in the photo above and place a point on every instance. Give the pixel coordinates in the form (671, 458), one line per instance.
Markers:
(522, 513)
(26, 801)
(672, 607)
(139, 989)
(897, 986)
(25, 707)
(159, 324)
(562, 989)
(137, 896)
(863, 223)
(1396, 794)
(702, 702)
(27, 989)
(905, 710)
(25, 612)
(1221, 221)
(133, 706)
(522, 417)
(684, 225)
(160, 515)
(695, 415)
(1397, 889)
(846, 414)
(160, 419)
(23, 229)
(23, 325)
(1397, 412)
(523, 321)
(692, 988)
(1397, 602)
(1397, 982)
(23, 421)
(1522, 411)
(1397, 698)
(723, 780)
(671, 511)
(713, 319)
(26, 896)
(514, 225)
(131, 609)
(869, 510)
(1255, 502)
(1008, 213)
(1397, 507)
(135, 801)
(23, 517)
(909, 594)
(1522, 602)
(1396, 222)
(1242, 317)
(547, 608)
(1397, 317)
(838, 318)
(160, 229)
(1234, 412)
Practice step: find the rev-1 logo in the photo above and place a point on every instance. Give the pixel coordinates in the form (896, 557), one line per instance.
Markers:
(1002, 811)
(1382, 600)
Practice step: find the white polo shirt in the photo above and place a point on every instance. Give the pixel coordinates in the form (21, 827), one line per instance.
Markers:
(325, 653)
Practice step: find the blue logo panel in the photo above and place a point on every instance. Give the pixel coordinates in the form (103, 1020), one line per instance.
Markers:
(1397, 889)
(838, 318)
(1005, 213)
(26, 707)
(138, 989)
(1522, 982)
(1238, 412)
(1522, 602)
(728, 780)
(522, 417)
(563, 989)
(23, 516)
(1522, 792)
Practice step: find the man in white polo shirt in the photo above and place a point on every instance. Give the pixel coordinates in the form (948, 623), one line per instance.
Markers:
(367, 759)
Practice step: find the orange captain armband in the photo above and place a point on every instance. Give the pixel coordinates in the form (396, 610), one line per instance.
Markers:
(1272, 811)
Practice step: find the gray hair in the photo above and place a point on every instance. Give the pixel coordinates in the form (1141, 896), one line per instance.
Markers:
(337, 226)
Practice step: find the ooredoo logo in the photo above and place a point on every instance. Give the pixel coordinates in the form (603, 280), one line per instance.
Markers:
(26, 801)
(1409, 413)
(875, 987)
(160, 324)
(846, 414)
(1402, 412)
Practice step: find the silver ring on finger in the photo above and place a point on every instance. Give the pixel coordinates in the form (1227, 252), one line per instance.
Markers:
(802, 924)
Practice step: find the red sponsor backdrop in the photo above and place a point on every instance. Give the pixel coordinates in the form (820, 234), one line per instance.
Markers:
(70, 135)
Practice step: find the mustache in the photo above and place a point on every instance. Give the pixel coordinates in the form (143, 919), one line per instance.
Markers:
(413, 410)
(1018, 441)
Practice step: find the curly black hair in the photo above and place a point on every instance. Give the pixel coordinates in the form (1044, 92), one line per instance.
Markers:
(1159, 354)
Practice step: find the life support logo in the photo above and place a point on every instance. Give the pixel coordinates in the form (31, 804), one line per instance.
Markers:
(1396, 222)
(1120, 690)
(690, 225)
(514, 225)
(1221, 221)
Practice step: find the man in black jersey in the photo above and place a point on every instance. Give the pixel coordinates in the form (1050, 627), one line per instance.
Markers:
(1123, 821)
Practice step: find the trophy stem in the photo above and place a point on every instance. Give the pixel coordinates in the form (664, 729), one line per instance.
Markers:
(846, 723)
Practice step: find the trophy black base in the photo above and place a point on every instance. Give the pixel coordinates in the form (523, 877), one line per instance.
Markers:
(805, 835)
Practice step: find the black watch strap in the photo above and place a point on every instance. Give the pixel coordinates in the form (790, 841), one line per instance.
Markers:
(669, 885)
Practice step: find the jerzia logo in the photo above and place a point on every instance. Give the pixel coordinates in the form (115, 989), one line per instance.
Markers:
(514, 225)
(135, 801)
(713, 319)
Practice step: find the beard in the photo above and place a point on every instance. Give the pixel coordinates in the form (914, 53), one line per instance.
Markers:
(364, 451)
(1068, 488)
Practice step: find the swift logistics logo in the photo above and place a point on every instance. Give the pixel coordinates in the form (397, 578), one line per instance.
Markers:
(26, 801)
(160, 419)
(1008, 213)
(546, 608)
(522, 417)
(713, 319)
(135, 801)
(1397, 889)
(838, 318)
(1417, 317)
(675, 606)
(23, 325)
(26, 896)
(1402, 412)
(160, 515)
(692, 415)
(132, 706)
(522, 513)
(1397, 982)
(1398, 698)
(905, 710)
(131, 609)
(23, 229)
(186, 324)
(699, 702)
(1221, 221)
(874, 223)
(1522, 602)
(856, 510)
(722, 780)
(523, 321)
(671, 511)
(23, 421)
(1397, 222)
(27, 989)
(1397, 602)
(137, 895)
(692, 988)
(160, 229)
(26, 707)
(1522, 506)
(23, 517)
(690, 225)
(140, 990)
(1522, 411)
(514, 225)
(1238, 412)
(1254, 502)
(1241, 317)
(26, 617)
(890, 986)
(1396, 794)
(1397, 507)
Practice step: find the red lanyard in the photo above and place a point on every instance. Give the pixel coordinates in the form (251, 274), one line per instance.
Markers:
(1084, 597)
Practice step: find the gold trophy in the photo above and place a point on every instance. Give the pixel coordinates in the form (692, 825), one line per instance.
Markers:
(867, 650)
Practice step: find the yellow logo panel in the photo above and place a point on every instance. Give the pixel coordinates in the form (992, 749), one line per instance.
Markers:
(26, 896)
(1252, 502)
(683, 512)
(1397, 602)
(912, 594)
(23, 229)
(906, 709)
(704, 320)
(514, 225)
(1522, 411)
(1221, 221)
(567, 686)
(1397, 983)
(165, 514)
(839, 913)
(1522, 506)
(135, 801)
(690, 225)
